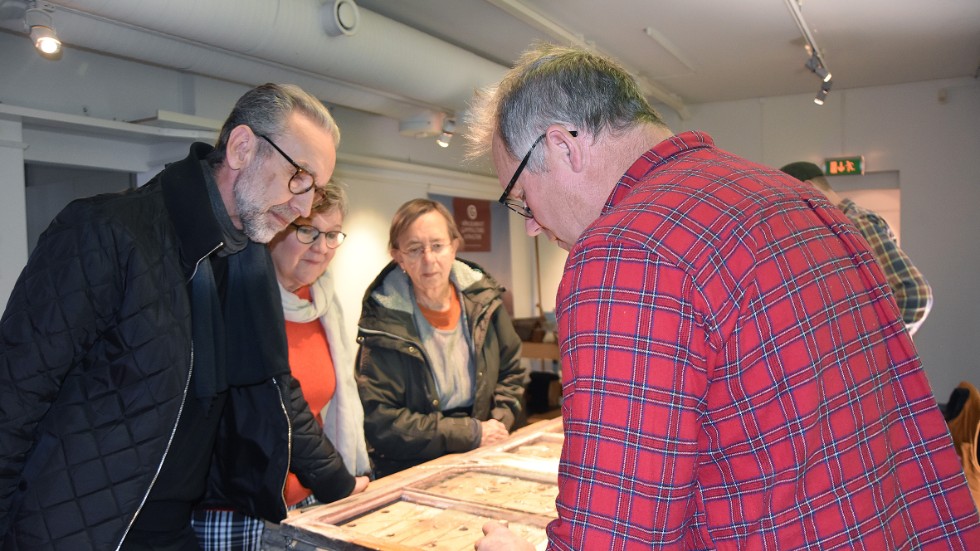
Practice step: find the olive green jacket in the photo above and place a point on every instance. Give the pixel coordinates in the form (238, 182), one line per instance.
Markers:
(403, 422)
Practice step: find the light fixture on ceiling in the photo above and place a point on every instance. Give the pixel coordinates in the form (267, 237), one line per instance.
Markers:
(815, 65)
(37, 19)
(448, 129)
(822, 94)
(425, 124)
(816, 62)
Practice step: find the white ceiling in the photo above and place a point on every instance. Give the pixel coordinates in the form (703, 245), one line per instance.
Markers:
(409, 55)
(714, 50)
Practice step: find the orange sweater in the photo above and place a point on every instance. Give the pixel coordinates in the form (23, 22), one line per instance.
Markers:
(311, 364)
(445, 320)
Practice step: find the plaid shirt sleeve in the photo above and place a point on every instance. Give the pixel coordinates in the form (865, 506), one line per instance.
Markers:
(912, 292)
(631, 402)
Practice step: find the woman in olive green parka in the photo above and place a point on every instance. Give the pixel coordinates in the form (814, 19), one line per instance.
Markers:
(433, 379)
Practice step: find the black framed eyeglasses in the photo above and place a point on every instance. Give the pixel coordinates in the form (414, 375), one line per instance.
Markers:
(302, 180)
(518, 205)
(309, 234)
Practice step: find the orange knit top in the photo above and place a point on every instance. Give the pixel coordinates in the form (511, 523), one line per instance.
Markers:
(311, 364)
(447, 319)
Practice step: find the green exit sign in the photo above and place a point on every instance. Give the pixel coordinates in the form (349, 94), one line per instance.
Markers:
(840, 166)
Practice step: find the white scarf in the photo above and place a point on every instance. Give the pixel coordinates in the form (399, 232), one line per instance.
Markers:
(343, 416)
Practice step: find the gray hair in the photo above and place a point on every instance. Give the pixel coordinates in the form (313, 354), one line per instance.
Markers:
(555, 84)
(265, 110)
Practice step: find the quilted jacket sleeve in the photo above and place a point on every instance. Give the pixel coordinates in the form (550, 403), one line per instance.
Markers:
(61, 302)
(314, 460)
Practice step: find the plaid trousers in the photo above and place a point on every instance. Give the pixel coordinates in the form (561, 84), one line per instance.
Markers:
(227, 530)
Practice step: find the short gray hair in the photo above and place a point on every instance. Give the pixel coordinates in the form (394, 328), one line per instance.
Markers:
(265, 110)
(556, 84)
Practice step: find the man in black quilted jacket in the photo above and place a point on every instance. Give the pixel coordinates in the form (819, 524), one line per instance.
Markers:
(142, 352)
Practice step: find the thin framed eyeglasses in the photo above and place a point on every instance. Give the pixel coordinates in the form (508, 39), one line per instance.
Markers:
(415, 252)
(308, 235)
(302, 180)
(518, 205)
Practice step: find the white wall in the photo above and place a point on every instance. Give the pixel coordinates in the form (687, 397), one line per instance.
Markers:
(13, 226)
(934, 146)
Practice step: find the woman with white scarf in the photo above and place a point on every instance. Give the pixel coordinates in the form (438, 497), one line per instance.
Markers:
(321, 360)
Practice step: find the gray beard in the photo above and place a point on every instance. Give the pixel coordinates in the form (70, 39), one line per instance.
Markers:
(259, 226)
(257, 223)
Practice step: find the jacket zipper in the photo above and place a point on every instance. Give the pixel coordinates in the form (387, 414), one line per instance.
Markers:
(289, 443)
(199, 260)
(166, 451)
(173, 430)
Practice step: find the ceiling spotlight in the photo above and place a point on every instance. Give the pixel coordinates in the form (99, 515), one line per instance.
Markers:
(815, 65)
(37, 19)
(448, 128)
(822, 94)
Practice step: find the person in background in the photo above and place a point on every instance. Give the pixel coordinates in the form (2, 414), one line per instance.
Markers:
(962, 414)
(439, 361)
(328, 446)
(735, 375)
(145, 337)
(912, 293)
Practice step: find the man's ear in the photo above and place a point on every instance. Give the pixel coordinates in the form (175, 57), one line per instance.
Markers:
(569, 150)
(242, 145)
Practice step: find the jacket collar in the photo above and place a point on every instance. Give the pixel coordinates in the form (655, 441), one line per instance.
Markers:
(387, 302)
(392, 288)
(189, 206)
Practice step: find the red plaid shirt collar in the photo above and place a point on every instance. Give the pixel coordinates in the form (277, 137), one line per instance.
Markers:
(677, 144)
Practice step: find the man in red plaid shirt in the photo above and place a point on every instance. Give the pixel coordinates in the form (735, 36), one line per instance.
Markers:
(735, 373)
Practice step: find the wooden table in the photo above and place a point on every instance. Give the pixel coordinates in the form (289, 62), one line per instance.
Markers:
(443, 504)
